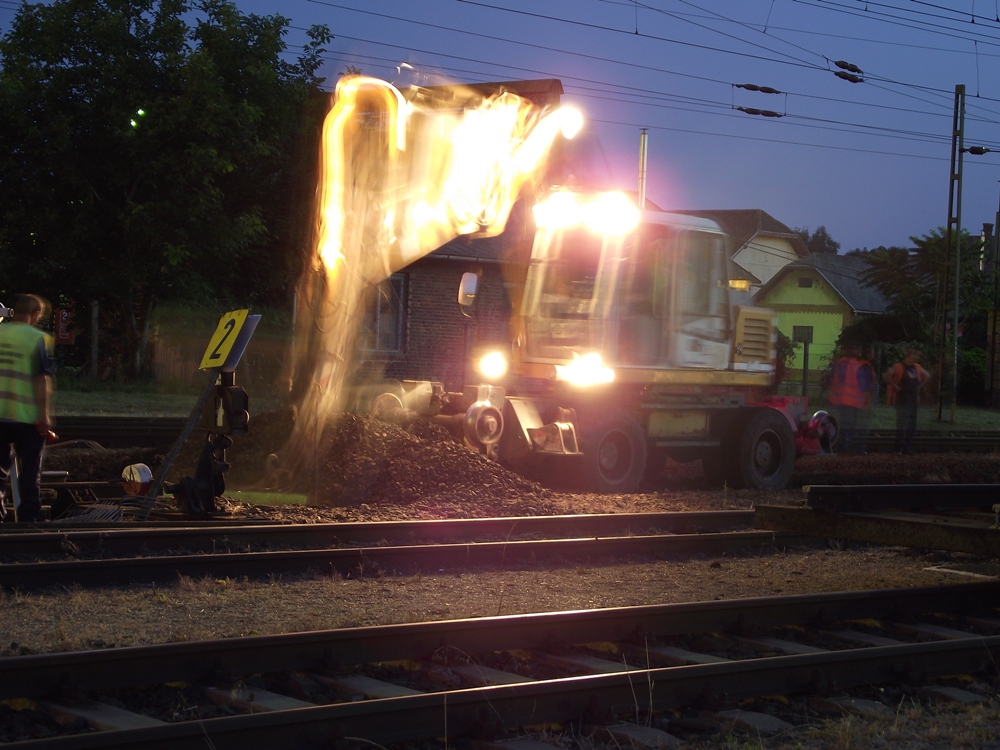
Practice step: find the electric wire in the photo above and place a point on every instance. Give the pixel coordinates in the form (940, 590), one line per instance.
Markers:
(926, 89)
(618, 89)
(766, 27)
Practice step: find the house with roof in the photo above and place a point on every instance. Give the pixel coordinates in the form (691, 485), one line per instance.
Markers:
(415, 328)
(760, 246)
(816, 297)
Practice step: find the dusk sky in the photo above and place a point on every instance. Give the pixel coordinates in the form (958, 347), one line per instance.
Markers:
(868, 160)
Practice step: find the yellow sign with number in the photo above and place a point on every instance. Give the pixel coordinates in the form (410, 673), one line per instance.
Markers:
(223, 339)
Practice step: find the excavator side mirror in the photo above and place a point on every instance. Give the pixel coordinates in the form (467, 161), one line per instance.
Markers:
(467, 289)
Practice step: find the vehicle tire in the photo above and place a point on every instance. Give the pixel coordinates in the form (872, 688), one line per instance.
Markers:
(614, 453)
(762, 451)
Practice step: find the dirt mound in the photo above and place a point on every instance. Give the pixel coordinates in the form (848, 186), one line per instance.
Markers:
(365, 460)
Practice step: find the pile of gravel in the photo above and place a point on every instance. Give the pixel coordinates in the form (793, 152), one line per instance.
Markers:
(366, 460)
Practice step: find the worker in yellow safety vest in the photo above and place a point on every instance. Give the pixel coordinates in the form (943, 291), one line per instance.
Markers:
(26, 371)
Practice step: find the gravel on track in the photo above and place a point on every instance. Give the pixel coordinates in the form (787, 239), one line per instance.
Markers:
(379, 471)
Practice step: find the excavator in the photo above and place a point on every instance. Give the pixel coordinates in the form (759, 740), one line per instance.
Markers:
(626, 347)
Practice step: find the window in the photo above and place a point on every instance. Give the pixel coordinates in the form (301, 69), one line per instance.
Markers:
(802, 334)
(805, 282)
(385, 316)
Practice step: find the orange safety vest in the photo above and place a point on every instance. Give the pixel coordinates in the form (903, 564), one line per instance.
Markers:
(847, 388)
(895, 377)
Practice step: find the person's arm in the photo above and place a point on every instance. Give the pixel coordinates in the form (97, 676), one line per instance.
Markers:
(889, 376)
(42, 384)
(872, 386)
(43, 398)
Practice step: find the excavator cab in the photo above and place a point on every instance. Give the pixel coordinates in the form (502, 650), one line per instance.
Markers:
(652, 293)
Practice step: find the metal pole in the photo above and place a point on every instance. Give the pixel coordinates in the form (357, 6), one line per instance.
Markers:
(953, 234)
(960, 103)
(642, 168)
(95, 319)
(995, 256)
(805, 368)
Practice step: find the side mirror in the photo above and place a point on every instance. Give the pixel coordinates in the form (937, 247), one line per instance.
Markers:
(467, 289)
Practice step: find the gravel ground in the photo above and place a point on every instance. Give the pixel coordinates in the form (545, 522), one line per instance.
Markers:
(386, 472)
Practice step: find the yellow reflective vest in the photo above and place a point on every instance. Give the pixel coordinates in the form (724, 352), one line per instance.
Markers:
(21, 349)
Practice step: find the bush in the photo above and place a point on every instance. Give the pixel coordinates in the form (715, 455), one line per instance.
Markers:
(971, 376)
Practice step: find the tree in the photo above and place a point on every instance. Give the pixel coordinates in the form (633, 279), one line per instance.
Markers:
(819, 241)
(146, 158)
(914, 281)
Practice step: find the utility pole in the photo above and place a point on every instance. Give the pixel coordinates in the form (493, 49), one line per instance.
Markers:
(994, 255)
(643, 155)
(953, 243)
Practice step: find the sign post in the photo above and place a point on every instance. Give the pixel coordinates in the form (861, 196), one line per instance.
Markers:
(223, 353)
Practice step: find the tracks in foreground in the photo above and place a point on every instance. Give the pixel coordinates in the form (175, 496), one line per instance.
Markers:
(348, 548)
(654, 667)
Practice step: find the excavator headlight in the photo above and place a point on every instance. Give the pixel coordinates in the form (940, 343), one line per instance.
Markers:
(493, 365)
(585, 370)
(604, 213)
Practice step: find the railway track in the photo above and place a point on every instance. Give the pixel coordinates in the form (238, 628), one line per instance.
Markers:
(123, 432)
(159, 555)
(663, 671)
(117, 539)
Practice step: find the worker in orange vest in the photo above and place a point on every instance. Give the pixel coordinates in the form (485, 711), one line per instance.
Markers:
(852, 394)
(904, 381)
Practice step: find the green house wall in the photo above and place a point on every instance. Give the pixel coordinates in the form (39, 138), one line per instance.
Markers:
(818, 306)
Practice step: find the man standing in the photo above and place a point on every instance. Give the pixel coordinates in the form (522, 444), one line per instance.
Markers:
(904, 380)
(852, 394)
(26, 371)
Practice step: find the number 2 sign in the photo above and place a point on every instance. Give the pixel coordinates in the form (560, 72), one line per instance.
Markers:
(229, 340)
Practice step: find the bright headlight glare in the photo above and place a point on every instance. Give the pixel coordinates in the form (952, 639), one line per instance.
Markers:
(605, 213)
(493, 365)
(586, 370)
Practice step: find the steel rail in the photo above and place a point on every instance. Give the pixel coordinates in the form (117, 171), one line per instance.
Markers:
(37, 675)
(164, 569)
(876, 496)
(920, 531)
(122, 538)
(590, 698)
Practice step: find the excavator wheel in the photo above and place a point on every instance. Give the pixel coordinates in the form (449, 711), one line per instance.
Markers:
(760, 453)
(614, 452)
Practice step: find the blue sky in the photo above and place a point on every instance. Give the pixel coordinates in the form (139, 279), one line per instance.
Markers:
(869, 160)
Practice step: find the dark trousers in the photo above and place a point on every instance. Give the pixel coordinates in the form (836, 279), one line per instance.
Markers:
(906, 424)
(28, 444)
(853, 425)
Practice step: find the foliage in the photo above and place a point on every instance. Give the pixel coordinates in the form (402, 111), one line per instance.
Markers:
(919, 283)
(818, 242)
(873, 329)
(149, 159)
(786, 350)
(972, 363)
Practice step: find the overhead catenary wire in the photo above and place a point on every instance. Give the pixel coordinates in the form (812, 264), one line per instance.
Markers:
(619, 91)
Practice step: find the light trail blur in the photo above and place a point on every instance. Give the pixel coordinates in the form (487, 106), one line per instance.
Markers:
(400, 175)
